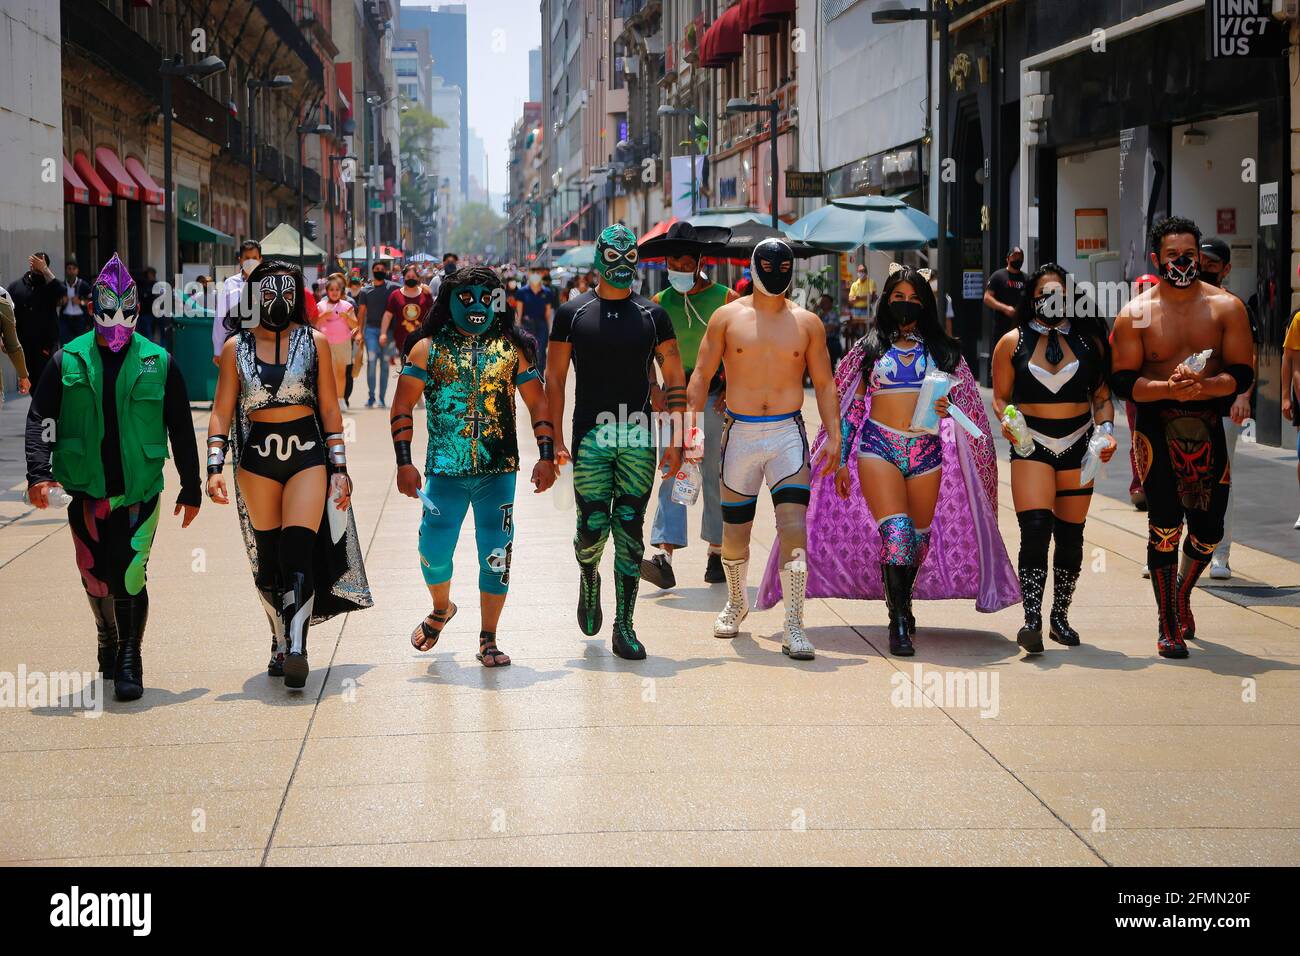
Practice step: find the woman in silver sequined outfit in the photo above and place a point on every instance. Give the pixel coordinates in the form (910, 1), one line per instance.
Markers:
(277, 389)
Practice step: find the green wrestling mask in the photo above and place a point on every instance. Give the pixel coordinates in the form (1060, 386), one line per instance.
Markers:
(616, 256)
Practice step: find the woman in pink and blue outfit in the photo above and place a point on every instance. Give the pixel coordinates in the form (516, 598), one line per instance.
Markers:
(922, 507)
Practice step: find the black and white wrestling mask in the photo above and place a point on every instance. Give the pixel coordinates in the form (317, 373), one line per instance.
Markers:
(772, 267)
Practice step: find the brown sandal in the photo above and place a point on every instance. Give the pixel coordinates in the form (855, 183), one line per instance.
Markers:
(425, 636)
(488, 655)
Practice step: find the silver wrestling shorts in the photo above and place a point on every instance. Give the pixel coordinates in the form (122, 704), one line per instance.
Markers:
(758, 448)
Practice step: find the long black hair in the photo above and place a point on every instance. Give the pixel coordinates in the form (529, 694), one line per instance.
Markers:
(503, 323)
(248, 307)
(943, 349)
(1088, 324)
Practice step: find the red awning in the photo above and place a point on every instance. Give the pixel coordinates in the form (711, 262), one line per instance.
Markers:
(657, 230)
(723, 41)
(74, 190)
(115, 174)
(150, 192)
(99, 193)
(571, 220)
(760, 17)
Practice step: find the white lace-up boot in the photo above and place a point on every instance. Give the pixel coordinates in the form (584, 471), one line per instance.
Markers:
(794, 583)
(737, 607)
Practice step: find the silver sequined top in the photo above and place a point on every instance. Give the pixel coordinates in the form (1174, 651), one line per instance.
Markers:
(299, 384)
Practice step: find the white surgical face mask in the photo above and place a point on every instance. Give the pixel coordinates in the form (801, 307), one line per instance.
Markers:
(683, 282)
(247, 266)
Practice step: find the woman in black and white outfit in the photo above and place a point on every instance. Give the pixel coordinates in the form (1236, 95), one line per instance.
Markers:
(1054, 367)
(277, 388)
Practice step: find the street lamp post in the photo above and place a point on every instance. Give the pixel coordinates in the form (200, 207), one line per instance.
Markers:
(171, 68)
(278, 82)
(304, 131)
(773, 109)
(936, 13)
(690, 140)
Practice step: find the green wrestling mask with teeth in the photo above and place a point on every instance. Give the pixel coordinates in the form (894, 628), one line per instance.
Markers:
(616, 256)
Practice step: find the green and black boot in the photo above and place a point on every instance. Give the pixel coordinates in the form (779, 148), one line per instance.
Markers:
(589, 616)
(626, 644)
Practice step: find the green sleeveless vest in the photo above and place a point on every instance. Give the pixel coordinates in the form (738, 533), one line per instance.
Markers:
(79, 432)
(470, 399)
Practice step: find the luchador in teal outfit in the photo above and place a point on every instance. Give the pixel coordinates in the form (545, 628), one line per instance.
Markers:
(469, 391)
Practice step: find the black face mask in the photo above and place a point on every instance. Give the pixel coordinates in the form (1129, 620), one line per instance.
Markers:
(277, 301)
(906, 313)
(1213, 278)
(380, 276)
(1179, 273)
(765, 266)
(449, 268)
(411, 283)
(1016, 264)
(1048, 308)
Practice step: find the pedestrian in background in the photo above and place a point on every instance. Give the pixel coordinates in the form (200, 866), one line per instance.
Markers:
(12, 347)
(250, 254)
(862, 298)
(1291, 385)
(374, 302)
(36, 297)
(337, 321)
(533, 312)
(1216, 265)
(1005, 289)
(73, 320)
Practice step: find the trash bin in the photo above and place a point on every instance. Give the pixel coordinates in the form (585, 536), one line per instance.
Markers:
(192, 350)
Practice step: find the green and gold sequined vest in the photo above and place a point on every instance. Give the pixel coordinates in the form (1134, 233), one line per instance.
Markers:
(470, 398)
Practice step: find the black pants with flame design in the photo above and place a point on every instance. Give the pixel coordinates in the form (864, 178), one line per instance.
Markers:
(1182, 459)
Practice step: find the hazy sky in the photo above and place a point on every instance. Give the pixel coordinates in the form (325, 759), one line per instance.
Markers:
(501, 32)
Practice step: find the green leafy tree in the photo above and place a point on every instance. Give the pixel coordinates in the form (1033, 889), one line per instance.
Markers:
(478, 228)
(419, 182)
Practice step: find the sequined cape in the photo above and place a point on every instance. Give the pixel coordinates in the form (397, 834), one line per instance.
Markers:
(339, 569)
(967, 557)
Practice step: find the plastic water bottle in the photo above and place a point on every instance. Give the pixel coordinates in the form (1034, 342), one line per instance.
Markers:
(1090, 467)
(936, 385)
(562, 495)
(1019, 428)
(1197, 361)
(687, 484)
(58, 497)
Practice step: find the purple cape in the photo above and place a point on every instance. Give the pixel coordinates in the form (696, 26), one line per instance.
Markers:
(966, 558)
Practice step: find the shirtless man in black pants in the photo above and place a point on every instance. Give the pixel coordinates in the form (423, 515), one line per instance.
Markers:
(1180, 447)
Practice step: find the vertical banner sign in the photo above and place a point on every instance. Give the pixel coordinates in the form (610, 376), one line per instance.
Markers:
(1269, 202)
(1243, 28)
(681, 182)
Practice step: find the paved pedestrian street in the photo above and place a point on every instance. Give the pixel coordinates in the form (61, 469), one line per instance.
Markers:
(708, 752)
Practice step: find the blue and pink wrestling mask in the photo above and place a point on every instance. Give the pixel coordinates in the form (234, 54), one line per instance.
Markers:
(117, 306)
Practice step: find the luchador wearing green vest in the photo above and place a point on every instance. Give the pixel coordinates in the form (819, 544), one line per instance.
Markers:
(76, 459)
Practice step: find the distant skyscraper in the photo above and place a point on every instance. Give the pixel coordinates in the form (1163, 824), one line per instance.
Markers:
(446, 27)
(535, 75)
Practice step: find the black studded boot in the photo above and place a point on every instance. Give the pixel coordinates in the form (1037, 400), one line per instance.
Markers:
(1032, 583)
(1059, 629)
(626, 644)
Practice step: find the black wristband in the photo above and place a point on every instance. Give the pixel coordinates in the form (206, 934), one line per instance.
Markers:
(403, 451)
(546, 449)
(215, 469)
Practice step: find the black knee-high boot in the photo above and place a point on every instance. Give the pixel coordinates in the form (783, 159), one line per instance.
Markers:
(898, 597)
(1192, 564)
(269, 590)
(1067, 562)
(101, 608)
(296, 547)
(130, 614)
(1035, 538)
